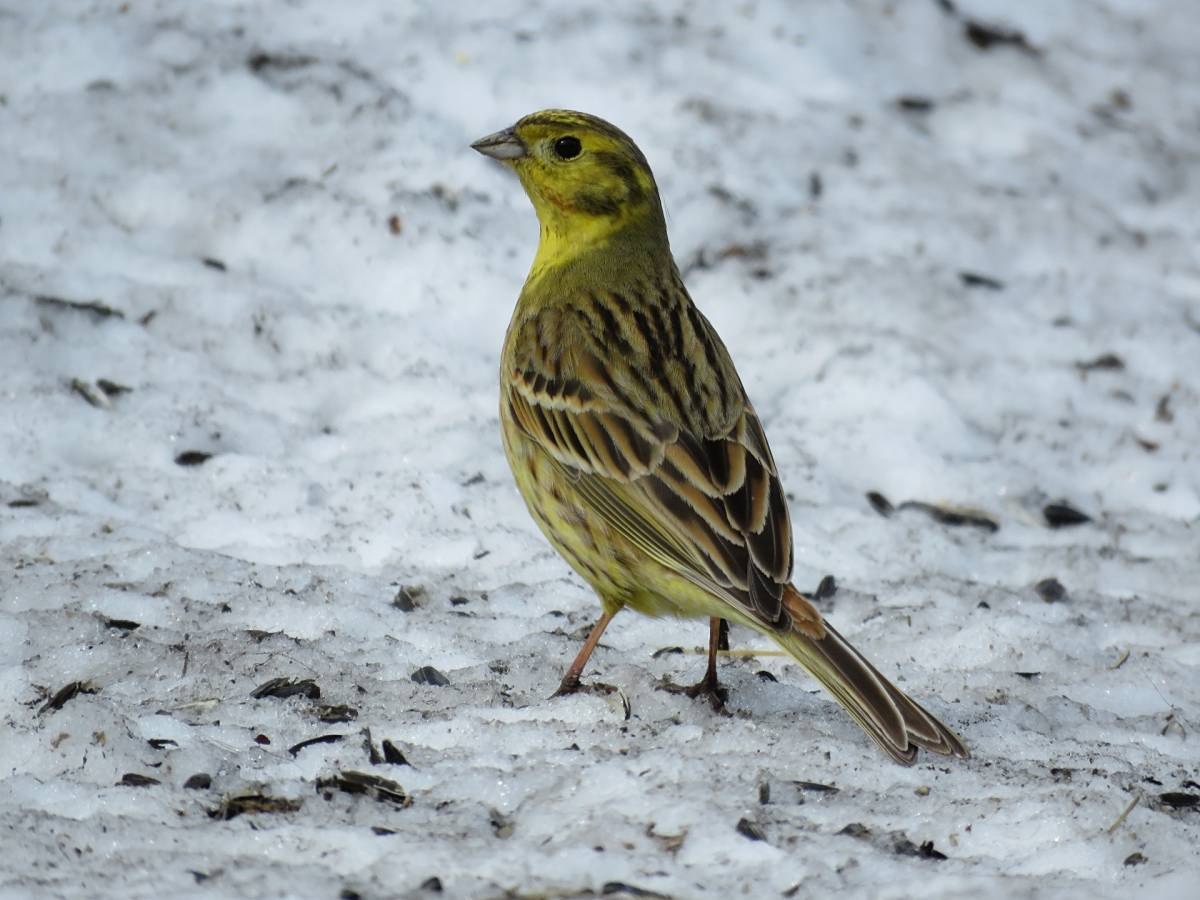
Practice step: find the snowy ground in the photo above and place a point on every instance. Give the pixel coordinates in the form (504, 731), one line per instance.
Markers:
(255, 231)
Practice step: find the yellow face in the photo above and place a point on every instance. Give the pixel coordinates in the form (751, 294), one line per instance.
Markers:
(575, 167)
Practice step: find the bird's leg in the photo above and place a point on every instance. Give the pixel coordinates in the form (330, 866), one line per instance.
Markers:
(826, 589)
(708, 686)
(570, 682)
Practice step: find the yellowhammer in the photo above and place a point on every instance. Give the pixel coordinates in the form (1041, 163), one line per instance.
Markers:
(631, 437)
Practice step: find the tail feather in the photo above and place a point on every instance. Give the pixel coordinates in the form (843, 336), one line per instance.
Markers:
(896, 722)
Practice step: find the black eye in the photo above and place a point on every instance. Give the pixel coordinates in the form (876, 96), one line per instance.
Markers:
(568, 147)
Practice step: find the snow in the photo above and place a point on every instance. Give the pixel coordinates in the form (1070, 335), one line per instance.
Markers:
(296, 265)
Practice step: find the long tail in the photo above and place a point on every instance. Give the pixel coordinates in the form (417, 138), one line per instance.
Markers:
(897, 723)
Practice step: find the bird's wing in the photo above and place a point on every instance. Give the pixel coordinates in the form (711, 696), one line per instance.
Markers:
(707, 506)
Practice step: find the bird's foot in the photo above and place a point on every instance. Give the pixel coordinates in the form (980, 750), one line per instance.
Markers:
(707, 687)
(572, 685)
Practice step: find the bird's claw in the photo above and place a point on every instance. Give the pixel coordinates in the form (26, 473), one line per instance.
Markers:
(709, 688)
(575, 686)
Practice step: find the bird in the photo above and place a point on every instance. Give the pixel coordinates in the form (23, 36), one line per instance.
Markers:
(631, 437)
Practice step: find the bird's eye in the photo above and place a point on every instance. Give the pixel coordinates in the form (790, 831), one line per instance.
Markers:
(567, 147)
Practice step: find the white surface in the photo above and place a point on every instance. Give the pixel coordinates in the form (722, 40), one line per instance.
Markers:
(345, 380)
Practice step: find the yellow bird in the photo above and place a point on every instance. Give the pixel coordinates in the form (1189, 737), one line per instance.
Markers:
(630, 435)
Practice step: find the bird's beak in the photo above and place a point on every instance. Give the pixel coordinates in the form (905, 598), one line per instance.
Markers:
(503, 145)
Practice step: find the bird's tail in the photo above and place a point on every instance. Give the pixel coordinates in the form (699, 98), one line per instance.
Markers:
(896, 722)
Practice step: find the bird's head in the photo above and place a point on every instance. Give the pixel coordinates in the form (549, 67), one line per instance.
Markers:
(587, 180)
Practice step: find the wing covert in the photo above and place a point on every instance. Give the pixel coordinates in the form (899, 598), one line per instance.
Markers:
(708, 506)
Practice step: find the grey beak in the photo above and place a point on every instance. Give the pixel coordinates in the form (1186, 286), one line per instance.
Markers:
(503, 145)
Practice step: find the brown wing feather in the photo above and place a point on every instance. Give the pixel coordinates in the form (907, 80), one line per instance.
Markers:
(708, 505)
